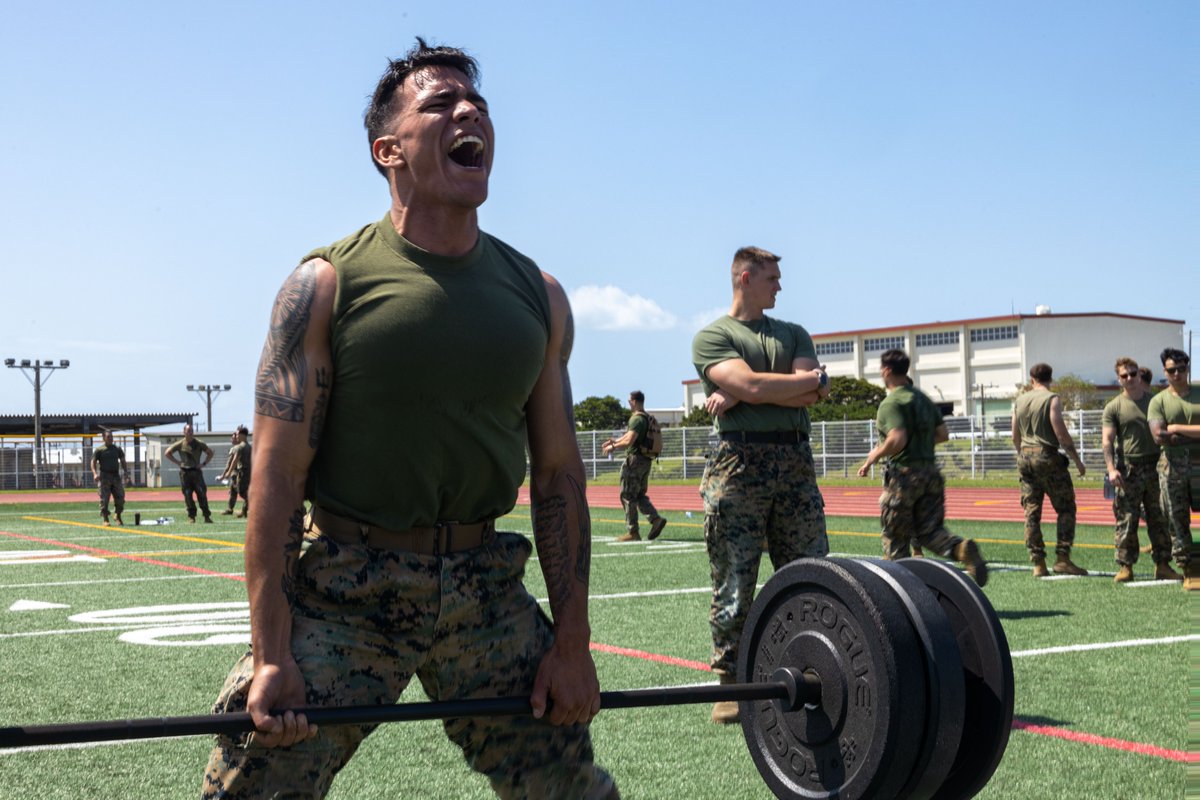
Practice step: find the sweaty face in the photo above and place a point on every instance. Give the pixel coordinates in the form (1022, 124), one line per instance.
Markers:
(444, 138)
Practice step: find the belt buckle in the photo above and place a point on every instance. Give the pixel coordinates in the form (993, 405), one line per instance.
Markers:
(438, 527)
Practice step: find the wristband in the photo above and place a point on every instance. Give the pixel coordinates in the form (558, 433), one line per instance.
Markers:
(823, 381)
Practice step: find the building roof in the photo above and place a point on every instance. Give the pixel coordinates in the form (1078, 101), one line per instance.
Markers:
(22, 424)
(1010, 318)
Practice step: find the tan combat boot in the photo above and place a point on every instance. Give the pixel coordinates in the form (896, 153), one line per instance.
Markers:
(967, 553)
(1124, 574)
(1039, 568)
(1065, 566)
(725, 712)
(632, 536)
(1191, 571)
(917, 552)
(1163, 572)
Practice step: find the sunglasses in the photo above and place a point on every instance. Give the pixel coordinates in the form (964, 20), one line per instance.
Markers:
(1176, 370)
(1127, 375)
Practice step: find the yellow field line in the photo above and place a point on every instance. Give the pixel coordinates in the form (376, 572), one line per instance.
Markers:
(124, 529)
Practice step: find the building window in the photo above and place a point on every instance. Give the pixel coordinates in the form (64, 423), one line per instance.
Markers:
(835, 348)
(994, 334)
(883, 343)
(934, 339)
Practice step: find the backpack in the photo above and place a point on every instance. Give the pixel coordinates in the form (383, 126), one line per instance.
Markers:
(654, 440)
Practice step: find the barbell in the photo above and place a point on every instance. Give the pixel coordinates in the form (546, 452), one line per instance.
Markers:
(857, 678)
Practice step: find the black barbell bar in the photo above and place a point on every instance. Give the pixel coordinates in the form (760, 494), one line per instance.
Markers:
(789, 685)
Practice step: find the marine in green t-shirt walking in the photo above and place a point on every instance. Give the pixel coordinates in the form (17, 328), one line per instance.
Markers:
(108, 468)
(1174, 417)
(759, 486)
(1038, 431)
(913, 504)
(1131, 456)
(635, 471)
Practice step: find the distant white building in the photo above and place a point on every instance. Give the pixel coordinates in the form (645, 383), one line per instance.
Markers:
(973, 364)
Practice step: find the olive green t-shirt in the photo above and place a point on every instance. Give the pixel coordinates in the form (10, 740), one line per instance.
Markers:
(766, 345)
(640, 425)
(1032, 410)
(1169, 408)
(1128, 419)
(189, 455)
(110, 457)
(907, 408)
(434, 360)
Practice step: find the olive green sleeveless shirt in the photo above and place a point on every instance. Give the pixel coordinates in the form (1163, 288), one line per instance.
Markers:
(1033, 418)
(434, 359)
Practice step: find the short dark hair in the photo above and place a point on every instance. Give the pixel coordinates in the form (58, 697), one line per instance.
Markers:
(1146, 375)
(751, 259)
(895, 360)
(383, 102)
(637, 395)
(1124, 362)
(243, 429)
(1042, 373)
(1174, 354)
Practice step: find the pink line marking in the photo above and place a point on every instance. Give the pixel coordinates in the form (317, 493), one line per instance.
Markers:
(1104, 741)
(642, 654)
(111, 554)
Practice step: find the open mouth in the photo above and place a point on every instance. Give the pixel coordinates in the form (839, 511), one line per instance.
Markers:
(467, 151)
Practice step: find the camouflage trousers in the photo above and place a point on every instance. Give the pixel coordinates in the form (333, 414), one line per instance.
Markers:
(755, 494)
(239, 484)
(635, 479)
(1141, 491)
(1045, 473)
(912, 509)
(191, 482)
(1175, 493)
(366, 622)
(110, 485)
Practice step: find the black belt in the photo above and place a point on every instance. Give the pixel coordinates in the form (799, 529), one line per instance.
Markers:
(765, 437)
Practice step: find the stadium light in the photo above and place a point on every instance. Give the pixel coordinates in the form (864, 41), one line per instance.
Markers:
(207, 391)
(38, 381)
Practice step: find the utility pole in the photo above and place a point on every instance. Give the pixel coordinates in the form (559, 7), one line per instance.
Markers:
(207, 391)
(26, 365)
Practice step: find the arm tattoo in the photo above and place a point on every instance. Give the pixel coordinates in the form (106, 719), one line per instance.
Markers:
(279, 389)
(318, 417)
(549, 527)
(291, 554)
(583, 556)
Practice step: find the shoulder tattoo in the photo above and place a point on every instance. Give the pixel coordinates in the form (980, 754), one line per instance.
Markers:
(279, 388)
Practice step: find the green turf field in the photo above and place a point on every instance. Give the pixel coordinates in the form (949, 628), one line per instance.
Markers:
(101, 623)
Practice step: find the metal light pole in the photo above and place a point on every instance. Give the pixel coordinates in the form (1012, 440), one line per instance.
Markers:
(207, 391)
(25, 365)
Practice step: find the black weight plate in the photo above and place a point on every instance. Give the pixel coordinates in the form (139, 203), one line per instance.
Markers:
(987, 672)
(815, 615)
(946, 692)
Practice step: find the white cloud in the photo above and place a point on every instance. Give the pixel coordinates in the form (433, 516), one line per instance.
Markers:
(608, 308)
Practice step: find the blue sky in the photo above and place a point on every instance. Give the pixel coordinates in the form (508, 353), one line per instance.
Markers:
(164, 166)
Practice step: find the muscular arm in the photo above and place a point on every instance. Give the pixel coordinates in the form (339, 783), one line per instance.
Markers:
(1108, 439)
(799, 388)
(1016, 432)
(1179, 429)
(941, 434)
(620, 443)
(893, 443)
(1064, 436)
(289, 404)
(169, 455)
(566, 679)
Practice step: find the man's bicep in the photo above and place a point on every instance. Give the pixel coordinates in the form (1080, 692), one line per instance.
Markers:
(732, 375)
(550, 413)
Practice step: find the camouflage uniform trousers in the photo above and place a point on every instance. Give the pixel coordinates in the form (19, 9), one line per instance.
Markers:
(110, 485)
(635, 478)
(1141, 490)
(913, 508)
(366, 622)
(1175, 493)
(191, 482)
(239, 484)
(755, 494)
(1045, 473)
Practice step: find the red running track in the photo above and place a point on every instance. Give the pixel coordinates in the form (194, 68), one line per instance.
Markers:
(984, 503)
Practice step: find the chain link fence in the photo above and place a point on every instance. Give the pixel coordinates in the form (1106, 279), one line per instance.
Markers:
(978, 448)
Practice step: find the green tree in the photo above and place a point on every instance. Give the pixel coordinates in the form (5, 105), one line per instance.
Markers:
(600, 414)
(1077, 393)
(849, 398)
(698, 417)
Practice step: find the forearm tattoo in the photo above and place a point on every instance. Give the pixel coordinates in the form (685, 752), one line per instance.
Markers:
(318, 418)
(291, 554)
(279, 389)
(549, 529)
(583, 555)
